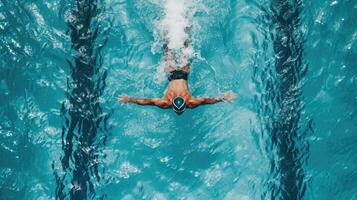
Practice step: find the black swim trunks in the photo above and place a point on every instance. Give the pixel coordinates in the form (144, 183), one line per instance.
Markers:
(177, 74)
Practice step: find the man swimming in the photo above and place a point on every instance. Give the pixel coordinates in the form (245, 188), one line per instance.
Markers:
(177, 95)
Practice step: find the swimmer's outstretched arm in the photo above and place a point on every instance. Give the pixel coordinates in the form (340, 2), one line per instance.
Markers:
(194, 102)
(162, 103)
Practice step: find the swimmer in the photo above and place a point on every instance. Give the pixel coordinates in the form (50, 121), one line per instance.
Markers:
(177, 95)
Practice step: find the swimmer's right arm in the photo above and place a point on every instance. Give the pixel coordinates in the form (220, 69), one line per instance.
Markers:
(144, 101)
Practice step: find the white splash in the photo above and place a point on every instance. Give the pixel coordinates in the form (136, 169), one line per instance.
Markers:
(173, 29)
(174, 23)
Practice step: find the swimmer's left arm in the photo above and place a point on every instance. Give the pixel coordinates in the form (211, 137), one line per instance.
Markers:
(203, 101)
(194, 102)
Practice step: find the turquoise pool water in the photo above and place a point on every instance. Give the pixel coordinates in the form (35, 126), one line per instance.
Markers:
(290, 134)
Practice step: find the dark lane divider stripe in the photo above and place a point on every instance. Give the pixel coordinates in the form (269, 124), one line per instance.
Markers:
(280, 105)
(84, 118)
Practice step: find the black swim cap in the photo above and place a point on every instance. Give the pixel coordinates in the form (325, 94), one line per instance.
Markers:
(179, 105)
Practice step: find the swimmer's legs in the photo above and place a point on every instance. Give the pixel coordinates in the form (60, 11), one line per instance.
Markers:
(185, 55)
(186, 68)
(169, 59)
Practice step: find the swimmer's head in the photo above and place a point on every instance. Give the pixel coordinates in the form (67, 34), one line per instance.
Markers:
(179, 105)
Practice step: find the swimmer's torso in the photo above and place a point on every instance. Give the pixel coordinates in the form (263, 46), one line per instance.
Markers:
(177, 88)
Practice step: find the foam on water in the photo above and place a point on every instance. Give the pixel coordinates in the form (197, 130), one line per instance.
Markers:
(174, 23)
(173, 29)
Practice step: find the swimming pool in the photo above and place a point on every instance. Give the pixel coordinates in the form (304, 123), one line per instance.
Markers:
(290, 134)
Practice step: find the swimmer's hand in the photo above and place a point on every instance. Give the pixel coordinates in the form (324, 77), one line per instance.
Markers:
(124, 98)
(229, 97)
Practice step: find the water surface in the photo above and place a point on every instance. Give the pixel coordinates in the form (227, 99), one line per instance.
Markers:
(290, 134)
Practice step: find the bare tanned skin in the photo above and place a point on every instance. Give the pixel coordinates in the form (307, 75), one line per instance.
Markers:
(176, 88)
